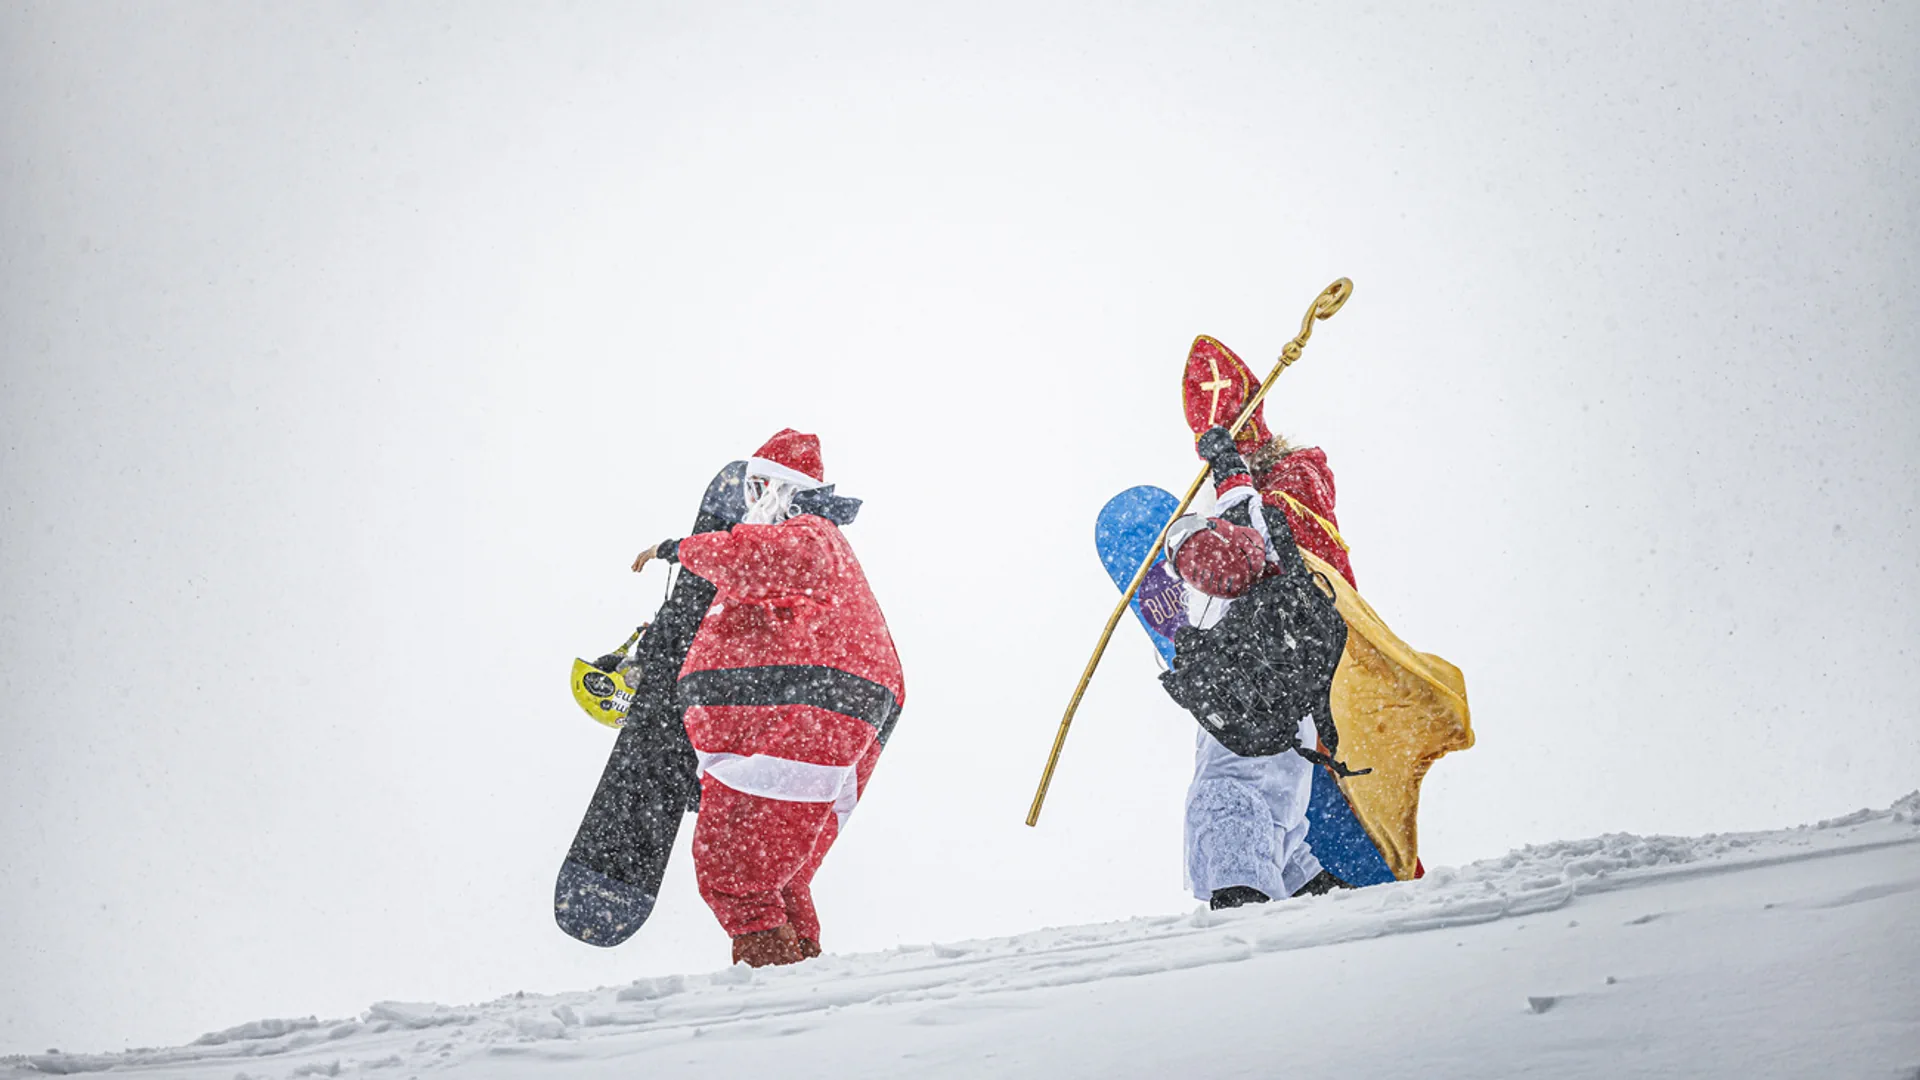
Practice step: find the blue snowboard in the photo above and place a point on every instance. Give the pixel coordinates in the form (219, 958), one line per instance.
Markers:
(1122, 534)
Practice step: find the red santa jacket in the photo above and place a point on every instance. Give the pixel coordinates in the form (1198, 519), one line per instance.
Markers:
(793, 660)
(1305, 476)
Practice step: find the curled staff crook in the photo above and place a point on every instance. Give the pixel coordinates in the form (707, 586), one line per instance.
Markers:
(1323, 307)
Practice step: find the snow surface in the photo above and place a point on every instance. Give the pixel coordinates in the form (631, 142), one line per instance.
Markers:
(1788, 953)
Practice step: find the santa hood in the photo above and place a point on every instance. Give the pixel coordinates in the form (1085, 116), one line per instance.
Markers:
(794, 457)
(790, 456)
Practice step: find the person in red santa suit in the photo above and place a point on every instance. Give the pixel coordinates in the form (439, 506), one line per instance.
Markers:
(791, 688)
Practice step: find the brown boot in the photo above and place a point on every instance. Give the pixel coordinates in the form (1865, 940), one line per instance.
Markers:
(809, 948)
(764, 948)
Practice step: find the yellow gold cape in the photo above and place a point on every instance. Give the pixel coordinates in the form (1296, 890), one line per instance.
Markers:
(1398, 711)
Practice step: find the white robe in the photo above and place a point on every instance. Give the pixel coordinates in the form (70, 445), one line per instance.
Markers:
(1247, 821)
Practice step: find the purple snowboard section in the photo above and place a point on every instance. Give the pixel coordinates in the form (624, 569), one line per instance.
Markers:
(1124, 534)
(1163, 601)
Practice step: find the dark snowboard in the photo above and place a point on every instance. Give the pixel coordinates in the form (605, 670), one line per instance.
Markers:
(611, 877)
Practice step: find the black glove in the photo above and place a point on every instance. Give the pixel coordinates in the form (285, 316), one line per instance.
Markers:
(1216, 446)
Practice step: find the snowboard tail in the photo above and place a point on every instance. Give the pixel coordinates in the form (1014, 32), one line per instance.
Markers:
(597, 909)
(611, 876)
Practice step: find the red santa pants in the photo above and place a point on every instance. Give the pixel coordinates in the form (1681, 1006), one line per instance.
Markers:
(755, 858)
(755, 854)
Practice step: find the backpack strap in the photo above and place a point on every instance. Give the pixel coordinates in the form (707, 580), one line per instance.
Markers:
(1296, 504)
(1319, 758)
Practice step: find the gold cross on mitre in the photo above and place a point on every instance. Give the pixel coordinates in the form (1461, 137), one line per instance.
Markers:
(1218, 384)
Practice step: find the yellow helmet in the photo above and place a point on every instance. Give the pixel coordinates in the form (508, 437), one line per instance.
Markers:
(600, 686)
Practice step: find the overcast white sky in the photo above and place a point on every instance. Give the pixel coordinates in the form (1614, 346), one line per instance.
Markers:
(349, 352)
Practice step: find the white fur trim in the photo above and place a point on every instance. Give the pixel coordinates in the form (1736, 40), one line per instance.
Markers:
(773, 470)
(787, 780)
(1233, 498)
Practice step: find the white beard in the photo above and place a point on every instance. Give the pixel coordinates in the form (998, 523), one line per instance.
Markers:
(774, 506)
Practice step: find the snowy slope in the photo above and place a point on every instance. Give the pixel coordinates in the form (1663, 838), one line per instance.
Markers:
(1788, 953)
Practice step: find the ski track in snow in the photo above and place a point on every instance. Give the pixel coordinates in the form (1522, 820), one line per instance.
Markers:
(969, 978)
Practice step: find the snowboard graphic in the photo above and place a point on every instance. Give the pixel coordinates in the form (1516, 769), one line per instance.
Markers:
(1126, 527)
(1122, 533)
(611, 876)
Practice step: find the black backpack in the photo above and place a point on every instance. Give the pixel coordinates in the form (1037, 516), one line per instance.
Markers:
(1268, 662)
